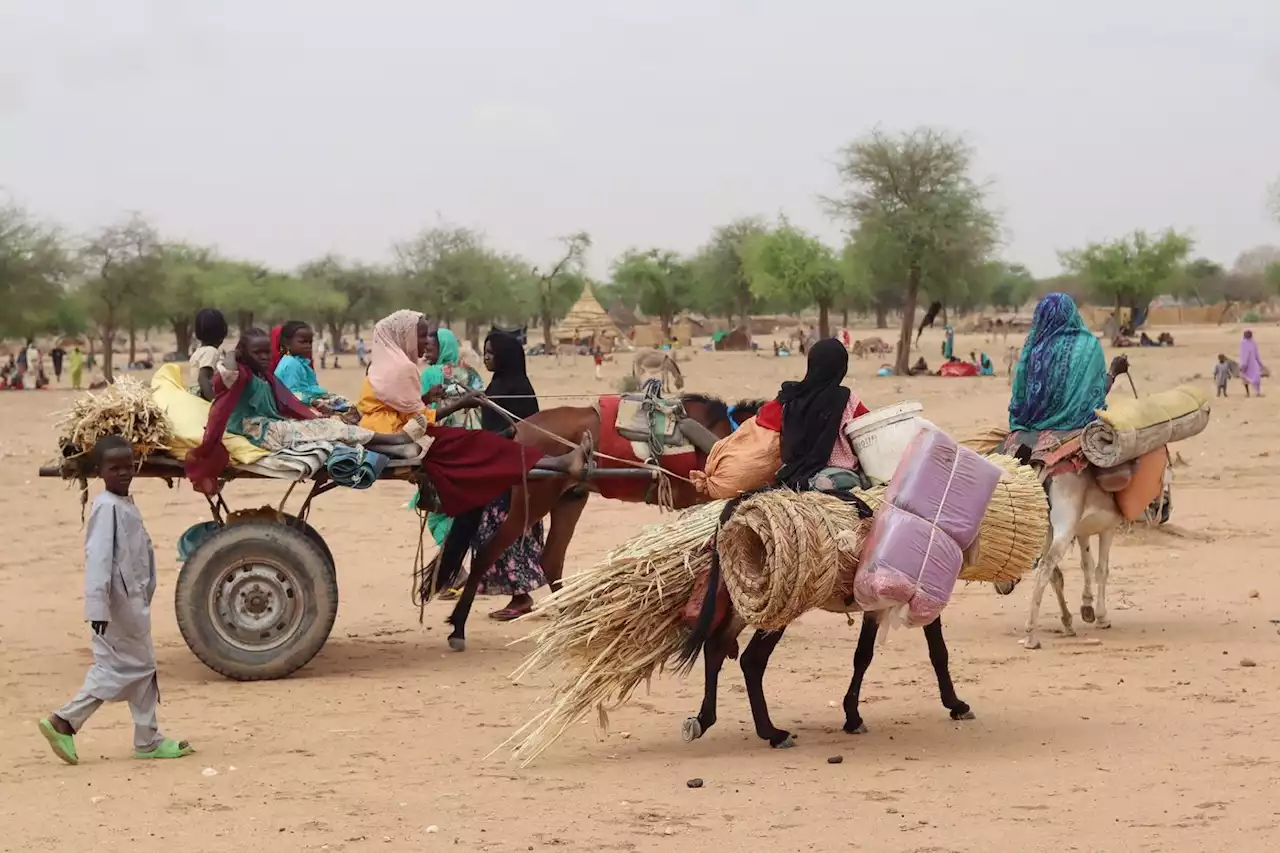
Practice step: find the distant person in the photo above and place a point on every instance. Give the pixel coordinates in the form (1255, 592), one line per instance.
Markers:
(32, 380)
(320, 352)
(1222, 374)
(211, 331)
(362, 353)
(599, 359)
(119, 581)
(76, 367)
(1251, 366)
(56, 355)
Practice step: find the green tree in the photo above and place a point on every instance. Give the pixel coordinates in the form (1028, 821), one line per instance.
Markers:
(124, 283)
(355, 293)
(660, 282)
(722, 283)
(1131, 271)
(1010, 285)
(451, 273)
(789, 264)
(913, 200)
(872, 278)
(1199, 281)
(35, 268)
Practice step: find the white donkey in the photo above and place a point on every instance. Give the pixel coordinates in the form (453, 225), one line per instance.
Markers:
(1078, 509)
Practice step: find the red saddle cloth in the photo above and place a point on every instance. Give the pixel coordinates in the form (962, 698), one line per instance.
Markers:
(613, 444)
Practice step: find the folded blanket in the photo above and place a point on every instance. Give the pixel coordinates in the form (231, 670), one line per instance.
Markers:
(355, 466)
(1107, 446)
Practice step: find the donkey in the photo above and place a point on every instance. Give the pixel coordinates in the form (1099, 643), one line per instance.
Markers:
(562, 498)
(1078, 510)
(717, 642)
(656, 366)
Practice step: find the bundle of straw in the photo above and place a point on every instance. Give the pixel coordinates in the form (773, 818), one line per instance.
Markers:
(617, 624)
(125, 408)
(785, 553)
(986, 441)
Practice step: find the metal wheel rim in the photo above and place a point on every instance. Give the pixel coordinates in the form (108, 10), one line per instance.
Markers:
(256, 604)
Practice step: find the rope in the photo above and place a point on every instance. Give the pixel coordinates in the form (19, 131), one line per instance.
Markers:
(656, 470)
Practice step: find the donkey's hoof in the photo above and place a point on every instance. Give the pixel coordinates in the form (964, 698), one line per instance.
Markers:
(964, 712)
(691, 730)
(1086, 613)
(787, 741)
(458, 644)
(1104, 624)
(860, 728)
(1030, 643)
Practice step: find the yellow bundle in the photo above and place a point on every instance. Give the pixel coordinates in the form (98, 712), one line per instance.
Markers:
(1125, 413)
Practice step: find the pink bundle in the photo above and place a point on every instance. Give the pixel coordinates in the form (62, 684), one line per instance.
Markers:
(913, 554)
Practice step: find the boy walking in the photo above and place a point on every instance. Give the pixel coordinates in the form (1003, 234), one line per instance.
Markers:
(1221, 374)
(119, 581)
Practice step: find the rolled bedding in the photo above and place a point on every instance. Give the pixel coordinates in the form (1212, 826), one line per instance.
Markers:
(1132, 428)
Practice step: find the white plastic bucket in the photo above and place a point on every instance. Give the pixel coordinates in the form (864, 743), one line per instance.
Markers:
(880, 438)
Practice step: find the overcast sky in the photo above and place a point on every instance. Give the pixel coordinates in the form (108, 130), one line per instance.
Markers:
(282, 129)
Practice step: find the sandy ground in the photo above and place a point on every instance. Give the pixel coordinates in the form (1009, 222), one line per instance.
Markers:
(1150, 736)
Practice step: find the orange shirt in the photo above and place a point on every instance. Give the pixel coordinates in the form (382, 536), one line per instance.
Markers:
(379, 417)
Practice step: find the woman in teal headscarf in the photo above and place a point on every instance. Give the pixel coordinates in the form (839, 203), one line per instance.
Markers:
(448, 371)
(1062, 376)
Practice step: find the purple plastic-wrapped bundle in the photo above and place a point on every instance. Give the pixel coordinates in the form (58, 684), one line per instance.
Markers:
(945, 484)
(907, 561)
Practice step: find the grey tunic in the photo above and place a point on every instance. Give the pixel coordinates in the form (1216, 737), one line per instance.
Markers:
(119, 581)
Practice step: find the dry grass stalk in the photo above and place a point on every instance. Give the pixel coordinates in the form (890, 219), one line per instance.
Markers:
(125, 408)
(616, 624)
(986, 441)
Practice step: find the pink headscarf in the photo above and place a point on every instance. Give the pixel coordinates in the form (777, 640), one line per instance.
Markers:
(393, 371)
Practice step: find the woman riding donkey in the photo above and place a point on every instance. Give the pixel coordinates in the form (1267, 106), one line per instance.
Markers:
(816, 454)
(1061, 381)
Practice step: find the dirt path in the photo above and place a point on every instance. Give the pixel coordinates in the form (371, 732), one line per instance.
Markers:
(1150, 736)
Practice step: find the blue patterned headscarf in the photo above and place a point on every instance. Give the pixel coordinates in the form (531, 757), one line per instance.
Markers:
(1061, 377)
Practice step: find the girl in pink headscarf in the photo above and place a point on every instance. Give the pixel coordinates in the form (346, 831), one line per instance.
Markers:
(1251, 366)
(466, 468)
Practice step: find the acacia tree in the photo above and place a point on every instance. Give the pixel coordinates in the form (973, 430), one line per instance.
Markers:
(722, 280)
(355, 292)
(35, 267)
(660, 282)
(913, 198)
(556, 289)
(789, 264)
(125, 279)
(1129, 272)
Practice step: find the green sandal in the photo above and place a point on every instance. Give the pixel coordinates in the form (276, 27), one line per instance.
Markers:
(64, 746)
(168, 748)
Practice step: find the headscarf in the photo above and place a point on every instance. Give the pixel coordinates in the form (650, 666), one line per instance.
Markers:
(448, 354)
(1061, 378)
(510, 380)
(811, 413)
(393, 368)
(1250, 359)
(276, 354)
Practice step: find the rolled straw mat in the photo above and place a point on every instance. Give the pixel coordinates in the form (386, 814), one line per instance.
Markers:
(1131, 428)
(784, 553)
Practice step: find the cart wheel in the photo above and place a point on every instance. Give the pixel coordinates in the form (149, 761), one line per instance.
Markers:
(313, 534)
(256, 601)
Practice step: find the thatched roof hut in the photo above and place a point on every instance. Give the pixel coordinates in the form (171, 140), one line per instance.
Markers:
(587, 319)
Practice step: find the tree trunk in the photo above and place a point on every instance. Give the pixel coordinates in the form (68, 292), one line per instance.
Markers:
(182, 334)
(133, 343)
(945, 323)
(666, 328)
(547, 344)
(824, 318)
(903, 363)
(246, 320)
(882, 316)
(472, 333)
(108, 362)
(844, 317)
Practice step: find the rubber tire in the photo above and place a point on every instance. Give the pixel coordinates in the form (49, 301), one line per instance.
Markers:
(294, 521)
(319, 581)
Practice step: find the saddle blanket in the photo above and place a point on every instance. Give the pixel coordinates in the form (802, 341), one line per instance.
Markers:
(679, 460)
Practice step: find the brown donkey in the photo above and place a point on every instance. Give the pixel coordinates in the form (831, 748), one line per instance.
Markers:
(562, 497)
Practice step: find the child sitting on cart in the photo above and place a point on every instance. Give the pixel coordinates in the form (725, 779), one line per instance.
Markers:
(251, 402)
(291, 362)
